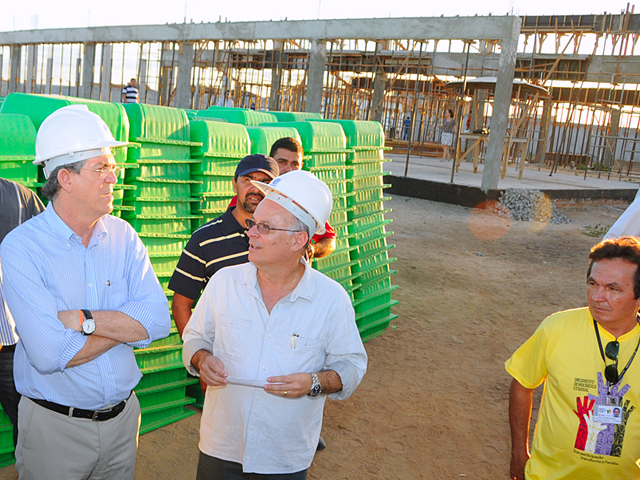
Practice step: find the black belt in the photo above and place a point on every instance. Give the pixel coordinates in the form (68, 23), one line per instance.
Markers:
(95, 415)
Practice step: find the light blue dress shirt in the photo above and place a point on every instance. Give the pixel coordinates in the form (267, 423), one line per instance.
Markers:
(7, 326)
(46, 270)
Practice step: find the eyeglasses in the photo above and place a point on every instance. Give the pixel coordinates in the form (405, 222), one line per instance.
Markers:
(263, 228)
(611, 371)
(106, 170)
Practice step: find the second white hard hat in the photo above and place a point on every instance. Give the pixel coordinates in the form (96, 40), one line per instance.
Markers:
(304, 195)
(72, 134)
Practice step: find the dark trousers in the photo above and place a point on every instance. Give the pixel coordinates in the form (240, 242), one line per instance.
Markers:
(211, 468)
(9, 397)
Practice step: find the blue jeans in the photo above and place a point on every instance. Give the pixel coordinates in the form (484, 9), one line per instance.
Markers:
(211, 468)
(9, 397)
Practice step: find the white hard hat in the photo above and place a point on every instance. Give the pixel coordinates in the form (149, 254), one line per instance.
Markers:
(72, 134)
(304, 195)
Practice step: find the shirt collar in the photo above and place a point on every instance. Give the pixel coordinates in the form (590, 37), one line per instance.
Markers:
(230, 224)
(305, 288)
(63, 231)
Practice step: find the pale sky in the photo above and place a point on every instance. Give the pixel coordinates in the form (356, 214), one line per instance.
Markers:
(24, 15)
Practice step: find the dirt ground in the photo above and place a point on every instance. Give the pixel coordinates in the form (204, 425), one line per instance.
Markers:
(433, 404)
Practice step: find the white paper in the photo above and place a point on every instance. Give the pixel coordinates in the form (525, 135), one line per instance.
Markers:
(249, 382)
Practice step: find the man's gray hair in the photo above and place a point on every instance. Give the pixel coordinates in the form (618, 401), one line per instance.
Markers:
(52, 187)
(299, 225)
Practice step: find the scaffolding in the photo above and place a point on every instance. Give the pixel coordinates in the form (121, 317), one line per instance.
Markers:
(589, 119)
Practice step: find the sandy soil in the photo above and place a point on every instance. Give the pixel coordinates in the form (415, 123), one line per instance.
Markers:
(433, 404)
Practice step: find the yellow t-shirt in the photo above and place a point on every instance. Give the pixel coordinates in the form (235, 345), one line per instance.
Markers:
(568, 443)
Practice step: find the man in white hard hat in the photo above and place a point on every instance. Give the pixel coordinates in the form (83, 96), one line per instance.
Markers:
(272, 338)
(83, 294)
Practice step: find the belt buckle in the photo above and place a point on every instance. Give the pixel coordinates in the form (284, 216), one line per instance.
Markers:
(94, 417)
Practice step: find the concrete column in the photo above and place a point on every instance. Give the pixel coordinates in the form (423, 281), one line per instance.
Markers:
(501, 103)
(16, 58)
(88, 70)
(614, 126)
(31, 68)
(166, 71)
(377, 99)
(105, 79)
(545, 121)
(315, 78)
(276, 75)
(142, 81)
(78, 82)
(183, 83)
(49, 76)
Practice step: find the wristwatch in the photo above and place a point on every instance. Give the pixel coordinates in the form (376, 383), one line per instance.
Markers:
(89, 324)
(316, 388)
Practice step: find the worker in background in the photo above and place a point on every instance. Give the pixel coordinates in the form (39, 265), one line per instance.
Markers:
(83, 294)
(272, 338)
(225, 101)
(17, 204)
(130, 92)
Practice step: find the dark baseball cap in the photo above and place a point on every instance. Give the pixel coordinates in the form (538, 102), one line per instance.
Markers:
(257, 163)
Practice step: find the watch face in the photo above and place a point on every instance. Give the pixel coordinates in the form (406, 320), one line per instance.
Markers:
(88, 327)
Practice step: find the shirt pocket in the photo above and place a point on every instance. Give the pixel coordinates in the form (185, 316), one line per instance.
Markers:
(115, 294)
(231, 337)
(304, 354)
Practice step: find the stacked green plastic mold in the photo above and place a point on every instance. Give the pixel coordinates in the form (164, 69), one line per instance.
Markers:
(39, 107)
(18, 150)
(243, 116)
(367, 227)
(296, 116)
(160, 169)
(223, 145)
(6, 440)
(325, 152)
(262, 138)
(217, 148)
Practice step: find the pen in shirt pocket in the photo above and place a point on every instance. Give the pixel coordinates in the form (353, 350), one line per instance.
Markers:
(294, 340)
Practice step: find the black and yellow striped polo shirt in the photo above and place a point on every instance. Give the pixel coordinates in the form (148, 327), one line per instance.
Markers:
(220, 243)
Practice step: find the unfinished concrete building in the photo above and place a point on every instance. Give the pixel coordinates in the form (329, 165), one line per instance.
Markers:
(575, 104)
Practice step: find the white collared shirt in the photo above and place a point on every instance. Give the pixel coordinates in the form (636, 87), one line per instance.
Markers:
(310, 330)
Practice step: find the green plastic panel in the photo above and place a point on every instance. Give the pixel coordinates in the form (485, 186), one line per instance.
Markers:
(243, 116)
(263, 138)
(318, 136)
(219, 139)
(154, 122)
(17, 138)
(296, 116)
(360, 133)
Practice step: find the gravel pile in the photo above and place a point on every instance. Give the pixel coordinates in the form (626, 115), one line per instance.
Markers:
(529, 205)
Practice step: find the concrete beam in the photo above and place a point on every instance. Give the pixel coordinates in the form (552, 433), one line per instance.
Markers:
(445, 28)
(315, 78)
(183, 83)
(500, 116)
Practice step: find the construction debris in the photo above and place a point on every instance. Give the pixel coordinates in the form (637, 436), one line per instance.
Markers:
(528, 206)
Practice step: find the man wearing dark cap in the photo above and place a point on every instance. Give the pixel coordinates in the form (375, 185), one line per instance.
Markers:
(221, 242)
